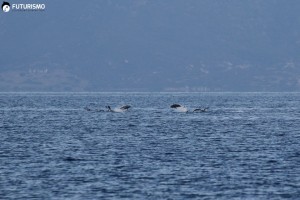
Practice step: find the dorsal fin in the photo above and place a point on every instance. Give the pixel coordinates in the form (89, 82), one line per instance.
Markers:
(175, 106)
(125, 107)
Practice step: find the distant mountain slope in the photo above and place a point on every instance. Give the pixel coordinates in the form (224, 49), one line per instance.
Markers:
(143, 45)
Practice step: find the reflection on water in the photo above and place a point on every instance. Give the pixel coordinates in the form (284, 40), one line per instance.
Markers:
(245, 146)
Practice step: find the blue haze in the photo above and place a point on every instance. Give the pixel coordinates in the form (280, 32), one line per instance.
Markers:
(143, 45)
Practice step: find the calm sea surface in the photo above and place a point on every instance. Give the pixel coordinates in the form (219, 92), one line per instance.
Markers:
(247, 146)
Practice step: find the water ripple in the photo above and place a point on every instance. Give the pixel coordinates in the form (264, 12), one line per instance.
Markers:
(245, 147)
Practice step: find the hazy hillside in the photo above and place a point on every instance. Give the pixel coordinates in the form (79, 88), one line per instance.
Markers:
(146, 45)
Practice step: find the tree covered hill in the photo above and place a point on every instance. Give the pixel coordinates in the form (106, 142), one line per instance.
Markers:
(145, 45)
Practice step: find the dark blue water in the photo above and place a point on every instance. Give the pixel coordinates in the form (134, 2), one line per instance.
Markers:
(247, 146)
